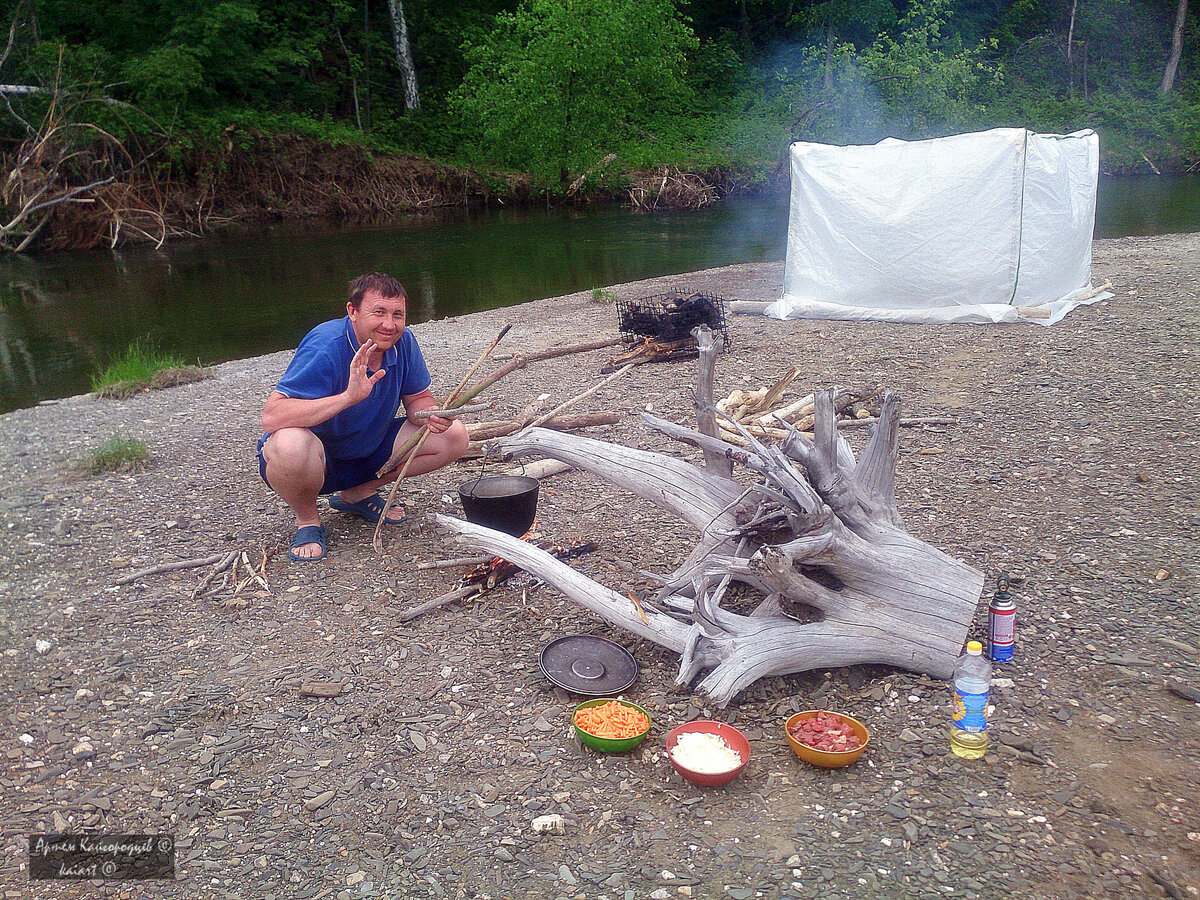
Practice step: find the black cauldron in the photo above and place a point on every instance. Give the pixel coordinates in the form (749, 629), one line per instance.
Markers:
(506, 503)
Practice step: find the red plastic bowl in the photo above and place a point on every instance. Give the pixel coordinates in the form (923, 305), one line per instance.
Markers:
(733, 738)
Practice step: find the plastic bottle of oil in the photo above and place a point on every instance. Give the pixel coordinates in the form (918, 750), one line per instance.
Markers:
(968, 718)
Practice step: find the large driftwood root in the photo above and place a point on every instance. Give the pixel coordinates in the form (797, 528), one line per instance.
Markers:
(818, 530)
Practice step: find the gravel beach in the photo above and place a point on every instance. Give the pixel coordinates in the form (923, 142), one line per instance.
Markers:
(150, 707)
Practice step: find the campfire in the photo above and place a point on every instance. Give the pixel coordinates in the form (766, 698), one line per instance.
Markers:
(496, 570)
(489, 574)
(486, 574)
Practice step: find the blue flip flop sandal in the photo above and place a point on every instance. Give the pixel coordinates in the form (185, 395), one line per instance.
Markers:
(309, 534)
(369, 508)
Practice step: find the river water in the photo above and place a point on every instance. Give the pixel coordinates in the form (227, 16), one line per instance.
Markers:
(234, 295)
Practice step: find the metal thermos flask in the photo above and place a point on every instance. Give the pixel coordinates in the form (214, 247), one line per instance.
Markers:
(1002, 620)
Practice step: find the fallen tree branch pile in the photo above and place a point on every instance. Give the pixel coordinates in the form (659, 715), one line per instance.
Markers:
(234, 567)
(816, 538)
(670, 188)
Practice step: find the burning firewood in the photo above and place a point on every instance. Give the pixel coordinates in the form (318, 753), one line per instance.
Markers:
(498, 570)
(491, 573)
(486, 575)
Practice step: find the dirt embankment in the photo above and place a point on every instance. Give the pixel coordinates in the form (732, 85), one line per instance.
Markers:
(250, 177)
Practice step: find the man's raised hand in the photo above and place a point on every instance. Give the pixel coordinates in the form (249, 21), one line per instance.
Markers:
(360, 384)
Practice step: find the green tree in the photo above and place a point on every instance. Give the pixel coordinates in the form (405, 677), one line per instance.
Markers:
(560, 83)
(844, 20)
(926, 79)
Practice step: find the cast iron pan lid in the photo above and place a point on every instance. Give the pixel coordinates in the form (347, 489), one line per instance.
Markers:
(589, 665)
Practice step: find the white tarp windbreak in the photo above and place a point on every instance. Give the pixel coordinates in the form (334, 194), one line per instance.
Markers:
(980, 227)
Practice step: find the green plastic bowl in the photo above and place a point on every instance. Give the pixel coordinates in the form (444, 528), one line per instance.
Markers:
(610, 745)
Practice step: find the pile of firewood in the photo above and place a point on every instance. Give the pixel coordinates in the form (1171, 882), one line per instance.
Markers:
(670, 188)
(237, 570)
(760, 411)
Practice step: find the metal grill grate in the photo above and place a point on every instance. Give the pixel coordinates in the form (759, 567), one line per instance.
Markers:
(671, 317)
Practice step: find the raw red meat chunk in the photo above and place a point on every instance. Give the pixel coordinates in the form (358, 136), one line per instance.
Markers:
(826, 731)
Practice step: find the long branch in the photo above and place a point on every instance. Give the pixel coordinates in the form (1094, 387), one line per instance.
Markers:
(605, 602)
(171, 567)
(456, 400)
(517, 362)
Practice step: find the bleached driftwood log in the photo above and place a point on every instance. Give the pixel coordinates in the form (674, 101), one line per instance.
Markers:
(819, 533)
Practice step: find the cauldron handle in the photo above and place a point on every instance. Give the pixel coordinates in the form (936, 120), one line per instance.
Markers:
(489, 450)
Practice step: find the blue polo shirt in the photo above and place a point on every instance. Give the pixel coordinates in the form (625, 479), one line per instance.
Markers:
(321, 368)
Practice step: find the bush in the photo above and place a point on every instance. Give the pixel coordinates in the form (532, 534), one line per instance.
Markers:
(117, 454)
(135, 367)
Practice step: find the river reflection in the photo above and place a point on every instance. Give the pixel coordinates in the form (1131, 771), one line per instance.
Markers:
(251, 292)
(245, 293)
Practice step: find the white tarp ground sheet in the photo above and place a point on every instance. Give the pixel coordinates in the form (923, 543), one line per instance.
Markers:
(994, 226)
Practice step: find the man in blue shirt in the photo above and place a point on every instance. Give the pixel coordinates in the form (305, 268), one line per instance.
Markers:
(331, 422)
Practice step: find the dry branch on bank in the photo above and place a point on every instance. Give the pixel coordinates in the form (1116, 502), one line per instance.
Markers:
(669, 188)
(757, 413)
(169, 567)
(239, 573)
(651, 350)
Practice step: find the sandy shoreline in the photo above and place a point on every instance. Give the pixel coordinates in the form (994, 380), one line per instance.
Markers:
(1072, 460)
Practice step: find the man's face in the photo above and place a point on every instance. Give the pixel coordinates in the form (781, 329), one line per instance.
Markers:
(379, 319)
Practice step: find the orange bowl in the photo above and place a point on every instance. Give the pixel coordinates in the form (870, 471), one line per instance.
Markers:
(827, 759)
(734, 738)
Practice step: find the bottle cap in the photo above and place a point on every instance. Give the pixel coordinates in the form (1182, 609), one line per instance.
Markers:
(974, 648)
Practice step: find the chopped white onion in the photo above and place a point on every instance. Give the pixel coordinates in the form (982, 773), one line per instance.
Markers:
(708, 754)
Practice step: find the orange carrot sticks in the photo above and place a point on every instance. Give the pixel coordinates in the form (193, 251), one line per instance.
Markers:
(612, 720)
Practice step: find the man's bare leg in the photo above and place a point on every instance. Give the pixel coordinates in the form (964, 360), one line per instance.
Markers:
(437, 451)
(296, 470)
(295, 461)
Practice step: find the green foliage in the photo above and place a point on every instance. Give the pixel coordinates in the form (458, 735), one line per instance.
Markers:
(1132, 129)
(137, 365)
(713, 73)
(117, 454)
(163, 78)
(549, 87)
(857, 22)
(926, 80)
(1123, 41)
(440, 33)
(556, 86)
(917, 82)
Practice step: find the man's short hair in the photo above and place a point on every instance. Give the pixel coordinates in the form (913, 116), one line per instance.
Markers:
(384, 285)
